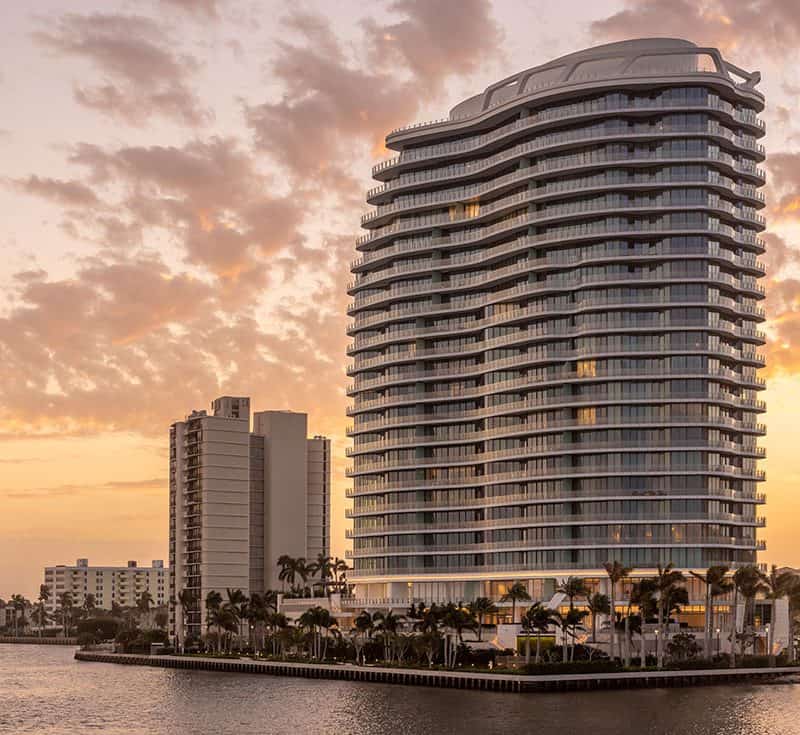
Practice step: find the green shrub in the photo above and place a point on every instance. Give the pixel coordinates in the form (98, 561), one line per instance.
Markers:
(103, 629)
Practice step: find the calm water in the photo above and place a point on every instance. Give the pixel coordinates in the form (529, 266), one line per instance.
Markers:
(43, 690)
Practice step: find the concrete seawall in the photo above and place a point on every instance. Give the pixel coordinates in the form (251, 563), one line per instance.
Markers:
(40, 641)
(448, 679)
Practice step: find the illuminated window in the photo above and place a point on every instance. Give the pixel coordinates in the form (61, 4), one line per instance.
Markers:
(587, 368)
(587, 415)
(472, 209)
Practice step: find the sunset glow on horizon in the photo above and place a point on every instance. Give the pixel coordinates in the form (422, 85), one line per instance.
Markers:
(181, 192)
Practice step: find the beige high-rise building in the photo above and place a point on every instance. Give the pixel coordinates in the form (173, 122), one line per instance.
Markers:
(239, 499)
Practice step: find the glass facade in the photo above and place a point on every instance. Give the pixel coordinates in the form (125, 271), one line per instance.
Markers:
(556, 329)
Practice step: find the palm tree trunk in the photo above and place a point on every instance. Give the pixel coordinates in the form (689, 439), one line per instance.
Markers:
(627, 660)
(538, 645)
(707, 631)
(527, 649)
(734, 610)
(771, 638)
(613, 639)
(660, 637)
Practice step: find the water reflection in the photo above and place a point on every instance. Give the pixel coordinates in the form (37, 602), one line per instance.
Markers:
(44, 691)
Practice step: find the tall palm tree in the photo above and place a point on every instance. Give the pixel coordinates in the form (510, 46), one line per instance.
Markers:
(643, 596)
(323, 565)
(340, 570)
(388, 626)
(717, 583)
(65, 604)
(44, 597)
(597, 604)
(573, 587)
(254, 612)
(667, 582)
(19, 604)
(144, 602)
(775, 586)
(480, 608)
(616, 572)
(540, 619)
(748, 582)
(793, 596)
(224, 620)
(90, 604)
(237, 600)
(293, 570)
(284, 562)
(363, 626)
(187, 601)
(518, 592)
(315, 620)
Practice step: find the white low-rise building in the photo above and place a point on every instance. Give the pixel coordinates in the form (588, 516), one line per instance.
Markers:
(123, 585)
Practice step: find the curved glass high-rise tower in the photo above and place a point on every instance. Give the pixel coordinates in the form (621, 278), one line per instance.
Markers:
(555, 327)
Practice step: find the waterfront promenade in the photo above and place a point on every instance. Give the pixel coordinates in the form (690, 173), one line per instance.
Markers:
(449, 679)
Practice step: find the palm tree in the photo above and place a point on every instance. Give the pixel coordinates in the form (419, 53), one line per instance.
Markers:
(144, 602)
(19, 604)
(340, 570)
(284, 562)
(65, 605)
(187, 601)
(717, 583)
(388, 626)
(213, 604)
(44, 596)
(224, 620)
(254, 611)
(775, 586)
(237, 601)
(573, 587)
(276, 622)
(540, 618)
(363, 626)
(616, 573)
(667, 582)
(89, 604)
(598, 604)
(518, 592)
(480, 608)
(793, 596)
(748, 582)
(292, 570)
(643, 596)
(323, 565)
(316, 619)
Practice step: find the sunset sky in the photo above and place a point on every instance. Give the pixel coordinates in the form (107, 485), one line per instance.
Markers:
(180, 191)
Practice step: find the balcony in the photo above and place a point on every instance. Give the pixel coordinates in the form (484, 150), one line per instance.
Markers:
(611, 541)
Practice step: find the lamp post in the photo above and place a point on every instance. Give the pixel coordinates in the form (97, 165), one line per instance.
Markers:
(718, 641)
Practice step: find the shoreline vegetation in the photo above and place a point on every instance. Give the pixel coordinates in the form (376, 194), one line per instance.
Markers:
(642, 625)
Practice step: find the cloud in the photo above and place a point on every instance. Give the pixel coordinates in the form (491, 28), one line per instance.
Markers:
(783, 192)
(336, 105)
(142, 74)
(158, 484)
(204, 9)
(782, 305)
(731, 25)
(215, 265)
(68, 193)
(432, 42)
